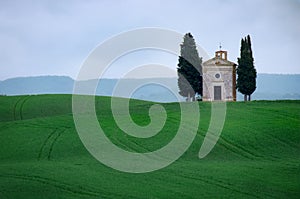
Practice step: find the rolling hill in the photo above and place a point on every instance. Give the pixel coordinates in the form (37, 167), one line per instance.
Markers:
(41, 155)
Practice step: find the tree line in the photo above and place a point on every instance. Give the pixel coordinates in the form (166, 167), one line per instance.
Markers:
(190, 78)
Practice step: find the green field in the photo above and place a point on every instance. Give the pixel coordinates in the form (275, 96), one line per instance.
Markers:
(41, 155)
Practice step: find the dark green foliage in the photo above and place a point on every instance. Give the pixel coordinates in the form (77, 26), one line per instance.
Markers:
(246, 81)
(189, 68)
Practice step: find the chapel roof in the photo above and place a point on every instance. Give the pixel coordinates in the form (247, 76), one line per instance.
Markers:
(220, 59)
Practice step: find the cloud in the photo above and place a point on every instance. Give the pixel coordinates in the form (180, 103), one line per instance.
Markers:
(48, 37)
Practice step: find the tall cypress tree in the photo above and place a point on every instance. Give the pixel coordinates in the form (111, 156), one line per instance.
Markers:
(242, 71)
(189, 68)
(246, 81)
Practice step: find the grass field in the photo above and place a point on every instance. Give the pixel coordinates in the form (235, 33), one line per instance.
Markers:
(41, 155)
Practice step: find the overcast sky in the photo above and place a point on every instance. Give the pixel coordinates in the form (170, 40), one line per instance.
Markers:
(55, 37)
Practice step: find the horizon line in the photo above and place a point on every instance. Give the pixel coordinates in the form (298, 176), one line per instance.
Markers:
(170, 77)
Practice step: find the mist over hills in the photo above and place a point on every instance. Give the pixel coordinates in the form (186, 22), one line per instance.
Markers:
(269, 87)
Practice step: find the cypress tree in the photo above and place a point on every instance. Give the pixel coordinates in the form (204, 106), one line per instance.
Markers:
(246, 81)
(189, 68)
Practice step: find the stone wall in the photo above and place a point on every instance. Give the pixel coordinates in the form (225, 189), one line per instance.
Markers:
(217, 76)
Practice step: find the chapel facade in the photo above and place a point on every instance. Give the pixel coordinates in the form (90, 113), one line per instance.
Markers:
(219, 78)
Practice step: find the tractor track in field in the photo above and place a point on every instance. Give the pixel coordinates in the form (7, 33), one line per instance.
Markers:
(126, 146)
(118, 143)
(54, 135)
(45, 143)
(20, 101)
(221, 184)
(139, 146)
(130, 144)
(35, 126)
(54, 141)
(236, 149)
(15, 108)
(41, 125)
(241, 149)
(290, 144)
(22, 105)
(57, 184)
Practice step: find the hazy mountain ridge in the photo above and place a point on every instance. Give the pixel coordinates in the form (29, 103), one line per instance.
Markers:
(269, 87)
(36, 85)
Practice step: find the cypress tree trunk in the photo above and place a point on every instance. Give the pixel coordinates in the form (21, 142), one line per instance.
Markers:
(249, 97)
(245, 98)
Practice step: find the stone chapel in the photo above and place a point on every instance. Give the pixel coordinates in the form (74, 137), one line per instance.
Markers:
(219, 78)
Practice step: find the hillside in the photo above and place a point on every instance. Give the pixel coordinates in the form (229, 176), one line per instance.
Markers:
(41, 156)
(269, 87)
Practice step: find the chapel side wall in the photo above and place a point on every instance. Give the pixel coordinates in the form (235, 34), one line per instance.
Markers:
(227, 78)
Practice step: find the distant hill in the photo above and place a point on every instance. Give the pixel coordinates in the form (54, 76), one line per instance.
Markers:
(269, 87)
(37, 85)
(276, 86)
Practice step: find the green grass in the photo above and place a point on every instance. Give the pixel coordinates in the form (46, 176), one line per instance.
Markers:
(41, 155)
